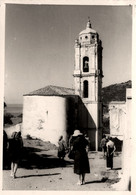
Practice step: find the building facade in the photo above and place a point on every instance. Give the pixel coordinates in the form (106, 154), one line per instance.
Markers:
(117, 113)
(88, 76)
(53, 111)
(48, 113)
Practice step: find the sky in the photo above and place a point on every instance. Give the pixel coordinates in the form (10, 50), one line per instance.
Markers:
(39, 47)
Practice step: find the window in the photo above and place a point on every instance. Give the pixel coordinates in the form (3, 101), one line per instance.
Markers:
(86, 37)
(85, 89)
(85, 64)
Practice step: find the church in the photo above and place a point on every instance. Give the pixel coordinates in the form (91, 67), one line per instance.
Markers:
(53, 111)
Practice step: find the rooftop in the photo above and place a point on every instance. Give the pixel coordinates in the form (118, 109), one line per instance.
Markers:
(52, 91)
(88, 29)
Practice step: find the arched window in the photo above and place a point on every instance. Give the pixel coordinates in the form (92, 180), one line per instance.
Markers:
(85, 64)
(85, 89)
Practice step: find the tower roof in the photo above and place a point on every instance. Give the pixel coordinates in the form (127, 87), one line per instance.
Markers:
(52, 91)
(88, 29)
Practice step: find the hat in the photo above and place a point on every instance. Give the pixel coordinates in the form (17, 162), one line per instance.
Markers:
(77, 132)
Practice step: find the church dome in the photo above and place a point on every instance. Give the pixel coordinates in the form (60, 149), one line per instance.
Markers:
(87, 36)
(88, 29)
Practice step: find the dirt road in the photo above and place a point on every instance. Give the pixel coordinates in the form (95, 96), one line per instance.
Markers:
(43, 171)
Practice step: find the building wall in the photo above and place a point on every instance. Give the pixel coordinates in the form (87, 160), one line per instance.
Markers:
(128, 152)
(48, 117)
(90, 110)
(45, 117)
(117, 112)
(127, 143)
(89, 122)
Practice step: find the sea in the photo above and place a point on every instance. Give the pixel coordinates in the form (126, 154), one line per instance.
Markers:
(14, 108)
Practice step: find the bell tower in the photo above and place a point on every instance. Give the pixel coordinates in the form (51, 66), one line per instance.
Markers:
(88, 82)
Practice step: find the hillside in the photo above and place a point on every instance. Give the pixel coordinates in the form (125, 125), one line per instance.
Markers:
(115, 92)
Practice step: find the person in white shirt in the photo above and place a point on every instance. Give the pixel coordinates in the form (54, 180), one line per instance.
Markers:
(110, 151)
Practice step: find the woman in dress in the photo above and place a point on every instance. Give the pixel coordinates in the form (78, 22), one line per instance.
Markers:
(5, 150)
(81, 162)
(61, 148)
(15, 150)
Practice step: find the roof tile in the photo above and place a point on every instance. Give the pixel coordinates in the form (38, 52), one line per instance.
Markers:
(52, 91)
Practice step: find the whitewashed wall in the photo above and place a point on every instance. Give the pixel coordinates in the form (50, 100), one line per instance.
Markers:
(117, 112)
(128, 150)
(44, 117)
(127, 144)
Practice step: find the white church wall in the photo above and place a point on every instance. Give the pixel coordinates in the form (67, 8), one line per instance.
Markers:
(88, 121)
(44, 117)
(92, 89)
(77, 62)
(92, 58)
(77, 87)
(92, 110)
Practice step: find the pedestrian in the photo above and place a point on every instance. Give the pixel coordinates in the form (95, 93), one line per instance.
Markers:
(61, 148)
(15, 151)
(103, 145)
(81, 162)
(88, 146)
(5, 149)
(110, 151)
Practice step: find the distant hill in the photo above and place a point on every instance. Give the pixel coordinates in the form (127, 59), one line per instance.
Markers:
(115, 92)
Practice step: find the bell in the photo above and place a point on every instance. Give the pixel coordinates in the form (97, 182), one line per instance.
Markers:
(86, 64)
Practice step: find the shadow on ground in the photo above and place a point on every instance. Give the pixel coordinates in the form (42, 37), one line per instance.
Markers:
(31, 160)
(39, 175)
(35, 158)
(95, 181)
(104, 179)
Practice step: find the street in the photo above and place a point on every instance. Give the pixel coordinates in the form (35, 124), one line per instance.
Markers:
(56, 175)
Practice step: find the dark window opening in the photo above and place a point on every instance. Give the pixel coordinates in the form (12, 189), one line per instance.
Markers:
(85, 64)
(85, 89)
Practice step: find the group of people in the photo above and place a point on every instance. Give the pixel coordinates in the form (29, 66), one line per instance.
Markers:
(78, 151)
(14, 146)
